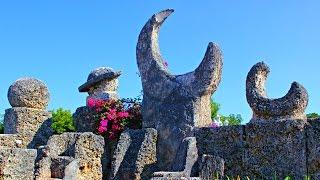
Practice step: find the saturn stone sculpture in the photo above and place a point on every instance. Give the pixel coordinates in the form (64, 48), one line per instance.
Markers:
(102, 83)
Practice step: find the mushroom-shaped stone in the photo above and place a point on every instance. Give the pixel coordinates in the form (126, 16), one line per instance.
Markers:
(102, 83)
(29, 92)
(290, 106)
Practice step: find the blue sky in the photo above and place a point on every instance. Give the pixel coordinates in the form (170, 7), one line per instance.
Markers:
(60, 42)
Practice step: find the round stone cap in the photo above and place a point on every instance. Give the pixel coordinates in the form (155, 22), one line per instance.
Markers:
(29, 92)
(98, 75)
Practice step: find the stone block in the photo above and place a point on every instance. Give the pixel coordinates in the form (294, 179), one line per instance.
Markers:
(186, 157)
(17, 164)
(135, 155)
(86, 148)
(63, 144)
(313, 148)
(277, 147)
(33, 126)
(226, 142)
(211, 167)
(10, 141)
(58, 166)
(84, 119)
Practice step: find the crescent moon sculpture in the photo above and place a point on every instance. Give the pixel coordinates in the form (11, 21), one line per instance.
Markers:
(290, 106)
(174, 104)
(157, 80)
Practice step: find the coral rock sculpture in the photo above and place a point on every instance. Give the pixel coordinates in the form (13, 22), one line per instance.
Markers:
(174, 104)
(27, 123)
(290, 106)
(29, 92)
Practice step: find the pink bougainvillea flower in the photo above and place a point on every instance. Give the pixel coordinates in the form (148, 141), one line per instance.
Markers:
(214, 125)
(165, 63)
(112, 114)
(91, 102)
(123, 115)
(102, 129)
(99, 103)
(104, 123)
(112, 136)
(116, 127)
(98, 109)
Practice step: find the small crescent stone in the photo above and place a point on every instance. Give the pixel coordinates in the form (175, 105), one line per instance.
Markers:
(290, 106)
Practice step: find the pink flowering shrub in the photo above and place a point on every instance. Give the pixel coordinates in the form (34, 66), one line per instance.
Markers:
(114, 116)
(214, 125)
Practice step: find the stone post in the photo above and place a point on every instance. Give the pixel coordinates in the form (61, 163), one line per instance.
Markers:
(27, 124)
(275, 137)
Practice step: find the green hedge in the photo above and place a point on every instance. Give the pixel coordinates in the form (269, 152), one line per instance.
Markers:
(62, 121)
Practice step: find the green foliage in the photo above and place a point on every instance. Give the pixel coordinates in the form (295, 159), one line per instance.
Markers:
(1, 128)
(62, 121)
(313, 115)
(215, 107)
(288, 178)
(1, 124)
(232, 119)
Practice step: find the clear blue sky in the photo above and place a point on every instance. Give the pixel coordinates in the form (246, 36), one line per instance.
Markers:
(61, 41)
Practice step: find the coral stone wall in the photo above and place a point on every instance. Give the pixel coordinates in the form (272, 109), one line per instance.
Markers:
(261, 150)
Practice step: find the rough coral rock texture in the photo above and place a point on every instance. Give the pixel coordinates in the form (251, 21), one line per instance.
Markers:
(63, 144)
(10, 141)
(135, 155)
(174, 104)
(276, 147)
(58, 166)
(226, 142)
(17, 164)
(102, 83)
(259, 149)
(89, 149)
(106, 89)
(211, 167)
(29, 92)
(290, 106)
(313, 148)
(84, 119)
(185, 163)
(32, 127)
(187, 156)
(86, 148)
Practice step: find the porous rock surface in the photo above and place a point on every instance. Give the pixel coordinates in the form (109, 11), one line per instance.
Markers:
(31, 126)
(17, 164)
(259, 149)
(276, 147)
(313, 148)
(80, 151)
(185, 163)
(28, 92)
(174, 104)
(211, 167)
(84, 119)
(226, 142)
(290, 106)
(135, 155)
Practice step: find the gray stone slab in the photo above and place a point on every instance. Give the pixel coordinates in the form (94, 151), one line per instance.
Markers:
(17, 164)
(276, 148)
(226, 142)
(135, 155)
